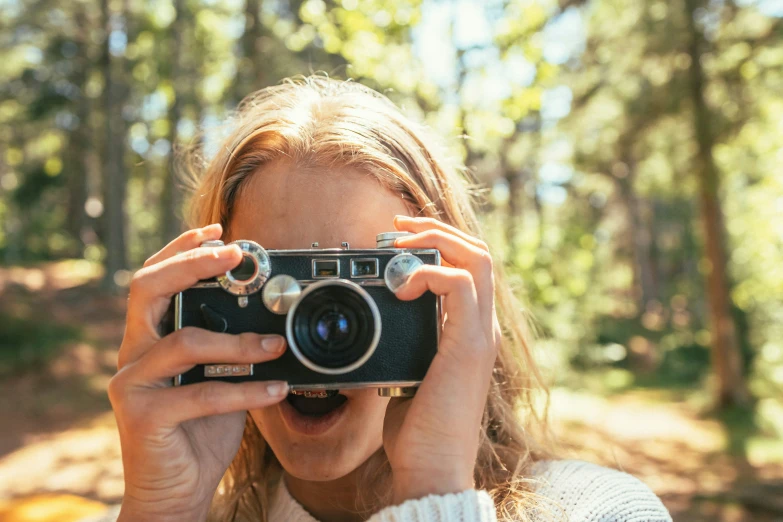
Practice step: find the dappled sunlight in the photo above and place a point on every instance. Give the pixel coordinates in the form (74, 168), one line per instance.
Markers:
(84, 461)
(49, 508)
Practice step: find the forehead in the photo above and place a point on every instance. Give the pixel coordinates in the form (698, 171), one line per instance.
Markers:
(285, 207)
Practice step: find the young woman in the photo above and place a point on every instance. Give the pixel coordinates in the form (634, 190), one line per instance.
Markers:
(318, 160)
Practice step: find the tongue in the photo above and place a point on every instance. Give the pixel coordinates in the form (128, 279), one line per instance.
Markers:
(314, 407)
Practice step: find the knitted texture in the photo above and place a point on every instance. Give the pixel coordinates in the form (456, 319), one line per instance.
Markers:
(571, 491)
(590, 493)
(468, 506)
(575, 491)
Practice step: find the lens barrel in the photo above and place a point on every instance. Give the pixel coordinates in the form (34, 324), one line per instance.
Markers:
(334, 327)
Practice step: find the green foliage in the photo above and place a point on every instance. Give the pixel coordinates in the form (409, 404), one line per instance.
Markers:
(593, 210)
(28, 343)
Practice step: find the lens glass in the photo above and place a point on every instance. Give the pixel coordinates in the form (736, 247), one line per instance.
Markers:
(332, 327)
(245, 269)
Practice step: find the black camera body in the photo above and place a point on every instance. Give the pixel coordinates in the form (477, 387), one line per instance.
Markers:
(336, 307)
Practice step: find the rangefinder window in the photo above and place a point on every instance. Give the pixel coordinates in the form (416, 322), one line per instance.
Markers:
(326, 268)
(361, 268)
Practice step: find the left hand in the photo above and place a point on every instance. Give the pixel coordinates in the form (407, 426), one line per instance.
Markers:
(432, 440)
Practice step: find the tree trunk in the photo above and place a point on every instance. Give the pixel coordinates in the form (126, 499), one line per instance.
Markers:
(170, 197)
(639, 239)
(114, 173)
(79, 140)
(250, 74)
(726, 359)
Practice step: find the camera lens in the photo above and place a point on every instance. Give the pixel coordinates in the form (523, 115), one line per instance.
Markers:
(334, 327)
(245, 269)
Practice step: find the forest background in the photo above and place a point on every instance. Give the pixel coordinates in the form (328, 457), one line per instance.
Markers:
(631, 153)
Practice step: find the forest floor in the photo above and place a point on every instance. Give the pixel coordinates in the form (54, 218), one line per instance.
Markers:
(60, 456)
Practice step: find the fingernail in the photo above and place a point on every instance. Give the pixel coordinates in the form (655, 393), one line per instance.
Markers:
(272, 344)
(277, 388)
(212, 227)
(400, 217)
(397, 290)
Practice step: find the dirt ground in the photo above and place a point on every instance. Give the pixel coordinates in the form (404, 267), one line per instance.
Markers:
(60, 457)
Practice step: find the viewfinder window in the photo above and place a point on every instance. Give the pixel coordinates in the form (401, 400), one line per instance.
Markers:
(326, 268)
(361, 268)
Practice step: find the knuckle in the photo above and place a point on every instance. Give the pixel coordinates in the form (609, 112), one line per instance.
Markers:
(463, 278)
(485, 262)
(245, 345)
(192, 255)
(193, 235)
(209, 397)
(137, 282)
(188, 338)
(116, 389)
(436, 234)
(482, 245)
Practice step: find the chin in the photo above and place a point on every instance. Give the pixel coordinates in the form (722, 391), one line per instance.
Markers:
(324, 439)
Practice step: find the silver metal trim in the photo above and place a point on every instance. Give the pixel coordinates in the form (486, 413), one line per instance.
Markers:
(218, 370)
(263, 269)
(353, 264)
(178, 326)
(178, 311)
(305, 282)
(336, 264)
(376, 315)
(327, 252)
(438, 306)
(391, 236)
(354, 385)
(387, 278)
(206, 284)
(397, 391)
(280, 292)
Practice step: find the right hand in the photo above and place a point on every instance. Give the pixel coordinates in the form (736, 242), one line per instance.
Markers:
(178, 441)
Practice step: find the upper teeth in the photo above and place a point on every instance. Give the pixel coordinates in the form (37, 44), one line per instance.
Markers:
(320, 394)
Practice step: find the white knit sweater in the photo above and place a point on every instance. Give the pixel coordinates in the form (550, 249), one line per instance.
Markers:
(569, 491)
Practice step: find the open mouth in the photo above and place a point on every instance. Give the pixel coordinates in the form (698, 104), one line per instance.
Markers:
(316, 406)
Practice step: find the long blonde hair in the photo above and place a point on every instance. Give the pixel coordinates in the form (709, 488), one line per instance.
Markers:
(318, 121)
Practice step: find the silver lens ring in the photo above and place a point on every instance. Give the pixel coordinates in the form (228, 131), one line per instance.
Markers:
(376, 316)
(256, 253)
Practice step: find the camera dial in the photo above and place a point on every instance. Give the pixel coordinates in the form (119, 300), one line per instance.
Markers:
(386, 239)
(280, 293)
(251, 273)
(399, 268)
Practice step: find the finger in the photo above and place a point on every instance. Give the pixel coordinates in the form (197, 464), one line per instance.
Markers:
(420, 224)
(182, 403)
(151, 289)
(465, 255)
(182, 350)
(186, 241)
(460, 302)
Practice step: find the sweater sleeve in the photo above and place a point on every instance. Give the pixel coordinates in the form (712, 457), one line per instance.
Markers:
(585, 492)
(468, 506)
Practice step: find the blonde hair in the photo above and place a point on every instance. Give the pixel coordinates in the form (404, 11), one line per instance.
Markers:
(321, 122)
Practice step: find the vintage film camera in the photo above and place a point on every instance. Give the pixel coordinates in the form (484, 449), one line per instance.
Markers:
(337, 309)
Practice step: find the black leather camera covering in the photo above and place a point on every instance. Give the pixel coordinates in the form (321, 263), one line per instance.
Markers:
(408, 339)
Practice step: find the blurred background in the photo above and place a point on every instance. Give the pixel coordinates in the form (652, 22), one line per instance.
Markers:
(631, 153)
